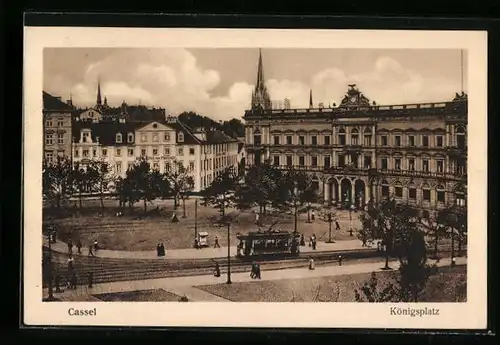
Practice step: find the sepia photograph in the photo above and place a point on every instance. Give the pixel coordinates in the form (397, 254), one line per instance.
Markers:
(266, 176)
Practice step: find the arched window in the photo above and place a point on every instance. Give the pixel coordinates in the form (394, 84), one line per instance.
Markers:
(426, 192)
(385, 188)
(440, 193)
(341, 136)
(412, 191)
(118, 137)
(354, 137)
(130, 137)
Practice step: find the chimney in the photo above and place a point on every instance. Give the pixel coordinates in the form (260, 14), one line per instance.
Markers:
(97, 139)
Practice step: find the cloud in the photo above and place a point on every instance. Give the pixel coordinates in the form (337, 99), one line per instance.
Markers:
(174, 80)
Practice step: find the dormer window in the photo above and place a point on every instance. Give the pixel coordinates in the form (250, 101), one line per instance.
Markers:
(180, 136)
(130, 137)
(86, 137)
(118, 137)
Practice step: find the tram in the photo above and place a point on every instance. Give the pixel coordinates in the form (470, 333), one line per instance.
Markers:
(268, 244)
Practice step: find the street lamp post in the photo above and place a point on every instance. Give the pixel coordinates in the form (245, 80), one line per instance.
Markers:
(183, 206)
(228, 253)
(196, 221)
(329, 219)
(49, 264)
(350, 222)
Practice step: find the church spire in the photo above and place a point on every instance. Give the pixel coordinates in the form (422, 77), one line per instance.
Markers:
(260, 96)
(310, 98)
(99, 100)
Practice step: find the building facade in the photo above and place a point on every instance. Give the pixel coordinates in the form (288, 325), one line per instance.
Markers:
(121, 144)
(360, 151)
(56, 128)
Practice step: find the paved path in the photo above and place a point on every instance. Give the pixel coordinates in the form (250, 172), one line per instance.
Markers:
(191, 253)
(187, 285)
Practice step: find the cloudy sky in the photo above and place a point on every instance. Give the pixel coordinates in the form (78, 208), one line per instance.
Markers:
(218, 82)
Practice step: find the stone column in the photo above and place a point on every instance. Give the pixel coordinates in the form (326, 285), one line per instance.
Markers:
(368, 193)
(326, 189)
(353, 193)
(333, 193)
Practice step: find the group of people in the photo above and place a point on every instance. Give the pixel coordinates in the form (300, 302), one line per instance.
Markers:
(93, 247)
(255, 272)
(160, 249)
(312, 241)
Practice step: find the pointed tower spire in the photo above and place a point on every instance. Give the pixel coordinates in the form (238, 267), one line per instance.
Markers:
(260, 96)
(310, 98)
(99, 100)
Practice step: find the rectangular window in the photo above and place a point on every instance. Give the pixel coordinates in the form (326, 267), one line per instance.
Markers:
(49, 156)
(180, 136)
(440, 166)
(384, 140)
(314, 161)
(412, 193)
(289, 161)
(411, 140)
(276, 160)
(166, 137)
(425, 165)
(397, 163)
(425, 141)
(130, 138)
(385, 191)
(289, 140)
(60, 123)
(368, 140)
(256, 139)
(342, 139)
(426, 194)
(155, 138)
(118, 138)
(180, 151)
(398, 191)
(119, 167)
(411, 164)
(85, 153)
(104, 152)
(191, 151)
(326, 161)
(302, 161)
(167, 166)
(143, 152)
(327, 140)
(383, 163)
(302, 140)
(60, 138)
(314, 140)
(118, 152)
(48, 123)
(397, 140)
(166, 150)
(341, 161)
(440, 196)
(439, 141)
(191, 165)
(354, 139)
(276, 140)
(77, 153)
(130, 152)
(155, 151)
(130, 165)
(48, 139)
(94, 153)
(85, 137)
(367, 162)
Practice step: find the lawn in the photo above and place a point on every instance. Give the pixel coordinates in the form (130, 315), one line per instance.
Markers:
(156, 295)
(134, 231)
(448, 285)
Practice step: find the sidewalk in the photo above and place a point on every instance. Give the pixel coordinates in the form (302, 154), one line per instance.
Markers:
(187, 285)
(192, 253)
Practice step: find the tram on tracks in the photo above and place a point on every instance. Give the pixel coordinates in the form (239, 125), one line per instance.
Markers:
(268, 244)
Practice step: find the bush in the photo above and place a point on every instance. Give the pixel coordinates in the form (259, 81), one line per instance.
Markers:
(183, 299)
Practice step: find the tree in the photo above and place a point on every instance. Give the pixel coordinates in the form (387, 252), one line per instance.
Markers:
(100, 177)
(434, 226)
(180, 181)
(146, 183)
(372, 292)
(294, 190)
(79, 179)
(126, 191)
(221, 192)
(454, 220)
(260, 188)
(57, 180)
(328, 215)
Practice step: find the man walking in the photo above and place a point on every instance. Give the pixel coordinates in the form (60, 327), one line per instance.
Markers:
(216, 242)
(91, 253)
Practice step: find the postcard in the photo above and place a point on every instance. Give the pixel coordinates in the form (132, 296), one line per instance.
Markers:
(263, 177)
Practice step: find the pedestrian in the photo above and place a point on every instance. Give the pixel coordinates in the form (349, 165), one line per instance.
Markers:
(311, 264)
(313, 216)
(258, 271)
(216, 242)
(302, 240)
(91, 253)
(96, 245)
(70, 263)
(79, 246)
(74, 281)
(340, 260)
(217, 270)
(158, 250)
(162, 249)
(91, 279)
(58, 283)
(70, 246)
(253, 272)
(257, 217)
(337, 226)
(174, 218)
(313, 241)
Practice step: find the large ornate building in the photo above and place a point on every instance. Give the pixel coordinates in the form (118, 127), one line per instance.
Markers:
(357, 151)
(56, 128)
